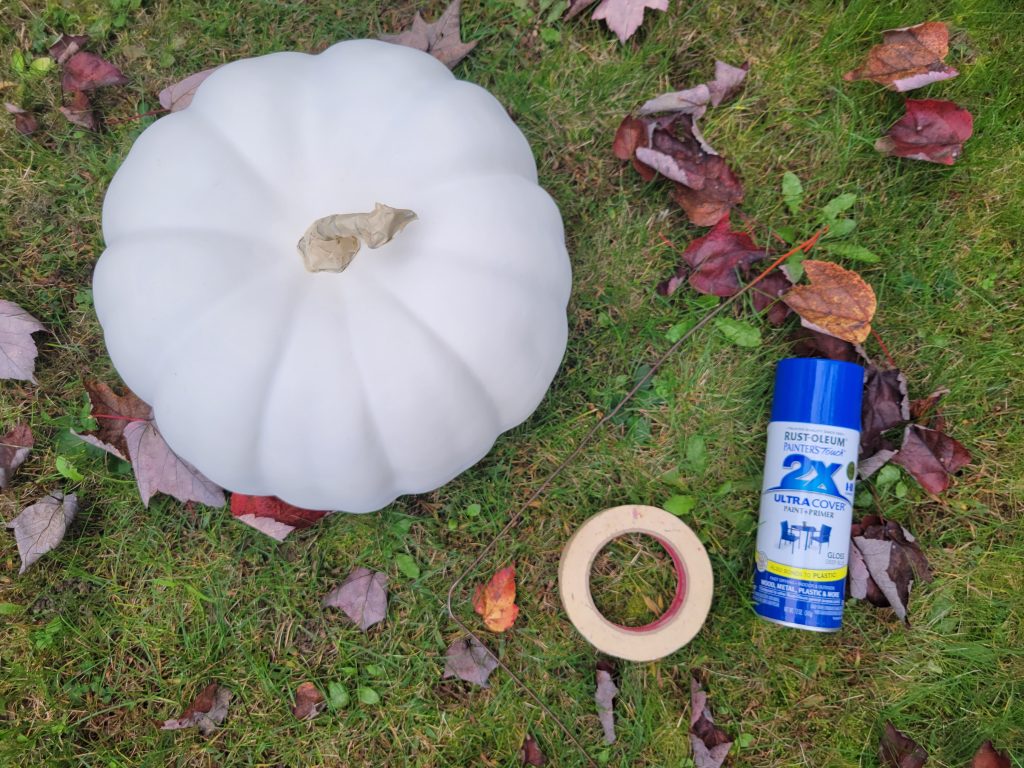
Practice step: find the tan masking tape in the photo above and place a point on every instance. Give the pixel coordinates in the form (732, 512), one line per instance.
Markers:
(694, 583)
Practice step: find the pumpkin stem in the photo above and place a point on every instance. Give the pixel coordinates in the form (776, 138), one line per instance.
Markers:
(330, 243)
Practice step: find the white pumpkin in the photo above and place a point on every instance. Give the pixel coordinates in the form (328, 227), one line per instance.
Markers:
(333, 390)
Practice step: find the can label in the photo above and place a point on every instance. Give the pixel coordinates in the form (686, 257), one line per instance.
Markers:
(803, 535)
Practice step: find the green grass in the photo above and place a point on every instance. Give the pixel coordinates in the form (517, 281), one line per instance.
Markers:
(140, 608)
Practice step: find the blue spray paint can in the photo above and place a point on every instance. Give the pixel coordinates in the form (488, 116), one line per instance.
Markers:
(803, 535)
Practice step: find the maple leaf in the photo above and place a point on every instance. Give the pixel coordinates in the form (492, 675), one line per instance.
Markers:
(988, 756)
(271, 515)
(113, 413)
(604, 698)
(17, 350)
(159, 470)
(79, 112)
(442, 39)
(309, 702)
(930, 130)
(176, 97)
(495, 601)
(710, 744)
(468, 659)
(530, 754)
(363, 596)
(896, 750)
(67, 46)
(932, 457)
(712, 262)
(694, 101)
(927, 408)
(14, 449)
(41, 526)
(908, 58)
(892, 560)
(25, 122)
(837, 301)
(205, 713)
(623, 17)
(86, 71)
(885, 405)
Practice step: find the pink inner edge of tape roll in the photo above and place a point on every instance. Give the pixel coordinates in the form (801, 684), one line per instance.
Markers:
(677, 599)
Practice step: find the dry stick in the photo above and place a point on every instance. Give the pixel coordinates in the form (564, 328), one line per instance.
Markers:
(553, 475)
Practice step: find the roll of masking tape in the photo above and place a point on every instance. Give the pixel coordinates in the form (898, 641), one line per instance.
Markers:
(694, 583)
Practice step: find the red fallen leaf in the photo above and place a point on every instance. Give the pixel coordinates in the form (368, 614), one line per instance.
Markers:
(67, 46)
(908, 58)
(205, 713)
(79, 112)
(530, 754)
(899, 751)
(25, 122)
(309, 702)
(86, 71)
(604, 698)
(930, 130)
(441, 39)
(767, 294)
(988, 756)
(468, 659)
(886, 560)
(809, 343)
(272, 516)
(932, 457)
(631, 134)
(710, 744)
(713, 261)
(14, 449)
(495, 601)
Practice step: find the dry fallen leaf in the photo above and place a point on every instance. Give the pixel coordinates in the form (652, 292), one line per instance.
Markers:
(113, 413)
(25, 122)
(442, 39)
(14, 449)
(604, 697)
(908, 58)
(623, 17)
(467, 659)
(713, 262)
(159, 470)
(363, 597)
(930, 130)
(885, 405)
(78, 111)
(270, 515)
(176, 97)
(205, 713)
(988, 756)
(886, 561)
(932, 457)
(41, 526)
(530, 754)
(17, 350)
(837, 301)
(309, 702)
(496, 601)
(67, 46)
(86, 71)
(710, 744)
(899, 751)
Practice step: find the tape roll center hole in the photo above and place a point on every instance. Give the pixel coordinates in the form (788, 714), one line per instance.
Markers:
(635, 581)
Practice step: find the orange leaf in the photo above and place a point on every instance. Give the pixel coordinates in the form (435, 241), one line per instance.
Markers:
(837, 302)
(908, 58)
(496, 601)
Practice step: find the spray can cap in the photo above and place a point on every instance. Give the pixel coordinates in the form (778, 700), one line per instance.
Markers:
(815, 391)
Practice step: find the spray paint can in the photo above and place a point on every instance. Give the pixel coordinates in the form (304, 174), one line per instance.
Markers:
(803, 534)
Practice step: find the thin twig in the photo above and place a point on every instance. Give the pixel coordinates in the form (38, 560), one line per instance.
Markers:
(131, 118)
(554, 474)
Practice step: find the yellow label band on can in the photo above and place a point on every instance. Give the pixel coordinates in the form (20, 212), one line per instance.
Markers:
(806, 574)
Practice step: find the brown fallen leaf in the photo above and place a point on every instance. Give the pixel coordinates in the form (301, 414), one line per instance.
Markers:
(112, 413)
(41, 527)
(808, 343)
(897, 750)
(442, 39)
(988, 756)
(25, 122)
(885, 405)
(767, 295)
(309, 702)
(271, 515)
(710, 743)
(79, 111)
(205, 713)
(496, 601)
(893, 562)
(931, 457)
(633, 133)
(85, 71)
(712, 263)
(67, 46)
(176, 97)
(363, 597)
(14, 449)
(604, 698)
(17, 350)
(908, 58)
(623, 17)
(925, 411)
(837, 301)
(530, 754)
(930, 130)
(467, 659)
